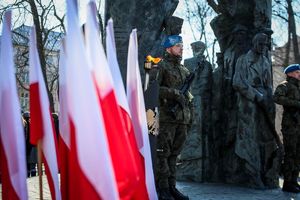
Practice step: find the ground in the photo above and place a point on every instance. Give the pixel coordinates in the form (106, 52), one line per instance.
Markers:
(196, 191)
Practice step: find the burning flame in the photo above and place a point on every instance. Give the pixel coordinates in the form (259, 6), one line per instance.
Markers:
(152, 59)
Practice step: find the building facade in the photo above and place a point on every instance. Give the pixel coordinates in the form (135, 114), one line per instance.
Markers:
(21, 56)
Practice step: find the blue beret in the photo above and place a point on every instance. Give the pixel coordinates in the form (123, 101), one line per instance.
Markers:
(172, 40)
(291, 68)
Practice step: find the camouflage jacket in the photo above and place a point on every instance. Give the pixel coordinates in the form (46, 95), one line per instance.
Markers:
(171, 78)
(287, 94)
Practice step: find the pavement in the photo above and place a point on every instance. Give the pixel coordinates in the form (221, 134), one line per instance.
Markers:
(196, 191)
(216, 191)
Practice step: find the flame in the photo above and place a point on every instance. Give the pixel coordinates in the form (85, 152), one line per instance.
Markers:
(152, 59)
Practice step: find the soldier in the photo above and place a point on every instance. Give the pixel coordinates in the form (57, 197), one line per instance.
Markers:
(287, 94)
(173, 128)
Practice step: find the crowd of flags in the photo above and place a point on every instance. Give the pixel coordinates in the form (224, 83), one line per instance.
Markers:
(103, 149)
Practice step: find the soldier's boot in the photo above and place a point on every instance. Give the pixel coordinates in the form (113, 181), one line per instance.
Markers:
(164, 194)
(177, 194)
(289, 186)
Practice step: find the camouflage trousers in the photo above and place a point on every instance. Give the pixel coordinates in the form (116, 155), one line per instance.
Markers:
(291, 141)
(169, 145)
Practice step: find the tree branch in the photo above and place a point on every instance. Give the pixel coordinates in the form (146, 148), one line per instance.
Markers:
(214, 6)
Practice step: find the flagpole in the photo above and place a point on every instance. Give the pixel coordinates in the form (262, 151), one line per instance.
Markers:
(40, 170)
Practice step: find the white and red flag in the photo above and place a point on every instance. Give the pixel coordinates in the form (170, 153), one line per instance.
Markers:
(41, 123)
(64, 140)
(90, 163)
(141, 190)
(124, 163)
(136, 103)
(12, 140)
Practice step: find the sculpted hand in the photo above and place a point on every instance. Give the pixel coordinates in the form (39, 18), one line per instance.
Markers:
(263, 101)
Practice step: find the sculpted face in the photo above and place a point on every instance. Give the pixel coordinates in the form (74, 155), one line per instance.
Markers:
(295, 74)
(174, 25)
(240, 36)
(260, 43)
(198, 48)
(176, 29)
(176, 50)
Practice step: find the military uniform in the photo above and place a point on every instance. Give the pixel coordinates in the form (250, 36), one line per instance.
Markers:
(287, 94)
(173, 128)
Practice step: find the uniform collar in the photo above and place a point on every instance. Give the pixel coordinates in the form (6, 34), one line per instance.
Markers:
(171, 58)
(294, 81)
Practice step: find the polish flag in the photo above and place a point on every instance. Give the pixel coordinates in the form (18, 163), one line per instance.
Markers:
(138, 114)
(90, 163)
(12, 141)
(141, 191)
(64, 142)
(124, 163)
(41, 124)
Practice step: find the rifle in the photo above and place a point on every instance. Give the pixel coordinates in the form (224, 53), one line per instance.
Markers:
(185, 87)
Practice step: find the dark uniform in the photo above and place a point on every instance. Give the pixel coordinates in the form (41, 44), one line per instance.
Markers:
(287, 94)
(173, 129)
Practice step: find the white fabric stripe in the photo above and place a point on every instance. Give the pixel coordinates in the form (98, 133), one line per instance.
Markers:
(85, 111)
(64, 126)
(11, 129)
(96, 54)
(114, 67)
(48, 143)
(137, 108)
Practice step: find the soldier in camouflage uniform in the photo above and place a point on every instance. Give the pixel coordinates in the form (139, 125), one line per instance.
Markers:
(173, 129)
(287, 94)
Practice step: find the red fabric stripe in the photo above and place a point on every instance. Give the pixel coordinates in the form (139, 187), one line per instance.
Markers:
(64, 169)
(54, 133)
(80, 187)
(8, 191)
(49, 178)
(36, 124)
(120, 148)
(141, 190)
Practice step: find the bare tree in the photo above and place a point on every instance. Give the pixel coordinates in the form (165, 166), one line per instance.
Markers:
(284, 11)
(198, 14)
(45, 20)
(48, 19)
